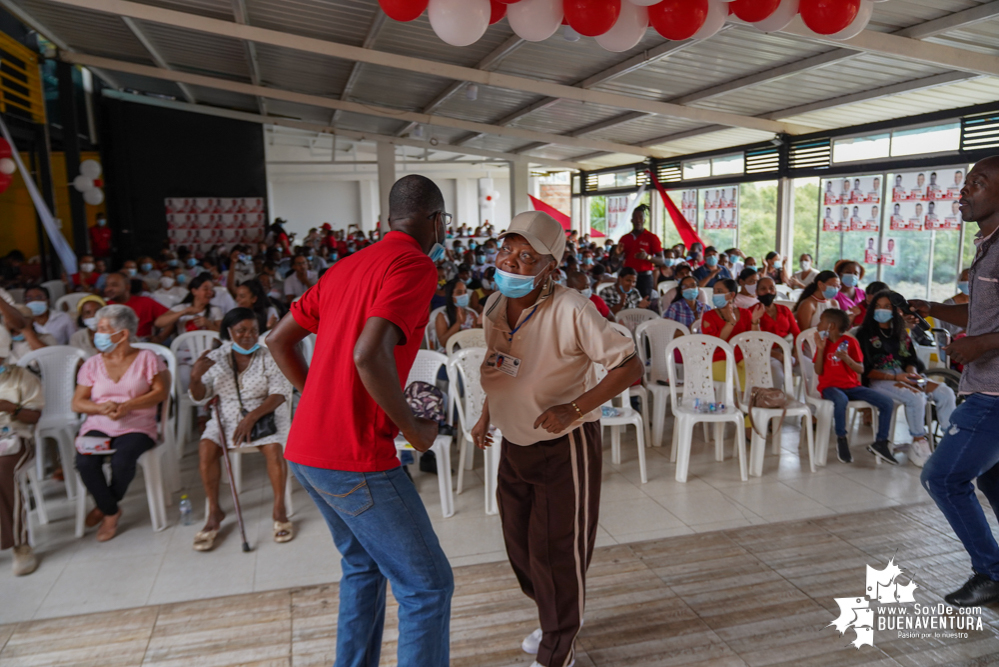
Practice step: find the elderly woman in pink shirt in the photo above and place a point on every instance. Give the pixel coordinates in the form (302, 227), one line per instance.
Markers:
(118, 390)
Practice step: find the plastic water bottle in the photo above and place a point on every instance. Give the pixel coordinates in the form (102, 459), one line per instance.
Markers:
(186, 514)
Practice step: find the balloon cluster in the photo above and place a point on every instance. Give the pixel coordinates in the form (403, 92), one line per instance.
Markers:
(89, 183)
(7, 165)
(619, 25)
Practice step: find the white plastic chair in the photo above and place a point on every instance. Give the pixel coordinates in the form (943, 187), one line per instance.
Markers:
(430, 334)
(68, 302)
(171, 449)
(56, 288)
(785, 303)
(632, 317)
(756, 347)
(425, 368)
(466, 339)
(58, 366)
(626, 416)
(187, 347)
(652, 337)
(152, 473)
(29, 482)
(666, 285)
(464, 371)
(697, 352)
(783, 291)
(638, 390)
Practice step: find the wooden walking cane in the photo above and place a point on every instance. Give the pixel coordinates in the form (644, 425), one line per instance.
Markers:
(228, 472)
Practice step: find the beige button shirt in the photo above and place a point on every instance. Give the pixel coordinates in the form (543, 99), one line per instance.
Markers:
(554, 351)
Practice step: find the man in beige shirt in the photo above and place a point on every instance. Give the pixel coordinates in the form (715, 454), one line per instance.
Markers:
(540, 378)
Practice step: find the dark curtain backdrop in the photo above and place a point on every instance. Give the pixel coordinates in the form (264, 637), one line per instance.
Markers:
(149, 154)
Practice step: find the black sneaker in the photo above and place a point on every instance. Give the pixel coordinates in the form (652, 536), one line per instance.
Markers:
(843, 450)
(882, 450)
(977, 591)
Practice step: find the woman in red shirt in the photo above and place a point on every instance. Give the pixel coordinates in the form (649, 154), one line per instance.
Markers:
(726, 321)
(778, 320)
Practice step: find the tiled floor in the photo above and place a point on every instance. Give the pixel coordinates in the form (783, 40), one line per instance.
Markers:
(756, 595)
(140, 567)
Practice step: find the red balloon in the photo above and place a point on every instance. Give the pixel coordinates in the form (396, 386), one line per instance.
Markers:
(678, 19)
(5, 181)
(5, 149)
(498, 11)
(754, 10)
(592, 17)
(827, 17)
(403, 10)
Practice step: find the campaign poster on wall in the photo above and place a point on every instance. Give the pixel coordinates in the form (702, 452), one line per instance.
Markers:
(720, 208)
(851, 204)
(888, 245)
(202, 222)
(618, 217)
(926, 200)
(688, 205)
(871, 254)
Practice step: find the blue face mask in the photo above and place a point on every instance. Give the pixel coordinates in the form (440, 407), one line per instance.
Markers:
(734, 259)
(480, 260)
(461, 301)
(963, 286)
(472, 245)
(712, 260)
(239, 350)
(147, 267)
(749, 267)
(882, 315)
(103, 342)
(719, 300)
(830, 292)
(514, 286)
(778, 264)
(38, 308)
(181, 278)
(173, 262)
(850, 279)
(691, 294)
(130, 271)
(18, 338)
(192, 262)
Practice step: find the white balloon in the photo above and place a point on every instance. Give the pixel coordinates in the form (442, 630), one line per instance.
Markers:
(569, 34)
(82, 183)
(535, 20)
(93, 196)
(7, 166)
(644, 3)
(91, 169)
(859, 23)
(782, 16)
(459, 22)
(628, 30)
(717, 15)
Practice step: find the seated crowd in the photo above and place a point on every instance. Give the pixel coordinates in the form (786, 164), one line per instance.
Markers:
(865, 349)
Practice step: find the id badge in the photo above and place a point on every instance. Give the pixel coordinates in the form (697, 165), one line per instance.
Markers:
(506, 364)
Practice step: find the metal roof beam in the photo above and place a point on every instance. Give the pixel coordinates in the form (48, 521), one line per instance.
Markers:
(353, 107)
(954, 21)
(419, 65)
(489, 63)
(323, 129)
(242, 16)
(370, 38)
(156, 55)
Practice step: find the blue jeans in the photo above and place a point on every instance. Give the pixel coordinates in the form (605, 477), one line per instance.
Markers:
(382, 530)
(840, 397)
(969, 449)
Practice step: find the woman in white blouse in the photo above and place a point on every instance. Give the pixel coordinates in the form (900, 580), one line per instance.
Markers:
(195, 312)
(258, 398)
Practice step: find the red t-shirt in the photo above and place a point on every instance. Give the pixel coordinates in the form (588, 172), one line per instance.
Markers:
(784, 324)
(338, 426)
(712, 324)
(601, 306)
(147, 310)
(100, 240)
(646, 242)
(835, 372)
(87, 282)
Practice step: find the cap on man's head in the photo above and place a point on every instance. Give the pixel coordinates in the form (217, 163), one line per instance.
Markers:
(541, 230)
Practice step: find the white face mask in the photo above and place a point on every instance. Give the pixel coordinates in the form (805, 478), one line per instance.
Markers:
(166, 282)
(751, 289)
(90, 323)
(806, 265)
(587, 293)
(87, 267)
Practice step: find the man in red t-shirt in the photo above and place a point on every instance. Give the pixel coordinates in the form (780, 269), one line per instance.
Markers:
(117, 289)
(642, 251)
(839, 363)
(369, 312)
(581, 283)
(100, 238)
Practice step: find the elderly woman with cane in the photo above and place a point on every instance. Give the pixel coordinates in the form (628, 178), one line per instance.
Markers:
(252, 392)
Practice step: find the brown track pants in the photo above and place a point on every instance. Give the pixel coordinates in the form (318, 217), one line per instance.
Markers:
(549, 498)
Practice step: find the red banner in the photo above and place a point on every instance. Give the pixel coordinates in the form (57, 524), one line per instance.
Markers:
(561, 217)
(687, 232)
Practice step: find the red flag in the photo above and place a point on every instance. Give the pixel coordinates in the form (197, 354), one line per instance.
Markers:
(561, 217)
(687, 232)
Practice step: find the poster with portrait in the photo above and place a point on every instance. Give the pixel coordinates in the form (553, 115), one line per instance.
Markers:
(687, 205)
(202, 222)
(720, 207)
(926, 200)
(618, 217)
(888, 245)
(851, 203)
(871, 254)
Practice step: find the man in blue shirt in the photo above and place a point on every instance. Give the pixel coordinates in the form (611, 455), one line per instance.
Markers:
(710, 273)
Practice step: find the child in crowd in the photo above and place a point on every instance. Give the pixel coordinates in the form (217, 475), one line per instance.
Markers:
(839, 364)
